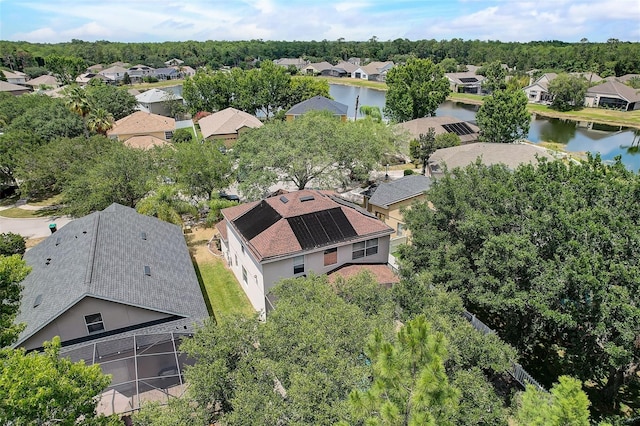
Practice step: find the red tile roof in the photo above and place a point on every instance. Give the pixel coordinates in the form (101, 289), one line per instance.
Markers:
(279, 239)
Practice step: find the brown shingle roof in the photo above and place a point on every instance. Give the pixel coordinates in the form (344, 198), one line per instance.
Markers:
(279, 239)
(141, 122)
(227, 121)
(145, 142)
(383, 274)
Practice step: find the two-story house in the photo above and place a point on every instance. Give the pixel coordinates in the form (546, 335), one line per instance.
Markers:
(294, 234)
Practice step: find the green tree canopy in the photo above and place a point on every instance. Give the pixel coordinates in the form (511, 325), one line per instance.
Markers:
(495, 76)
(200, 169)
(11, 244)
(43, 388)
(542, 254)
(166, 204)
(427, 143)
(566, 404)
(503, 117)
(315, 147)
(568, 92)
(12, 271)
(415, 90)
(65, 68)
(115, 100)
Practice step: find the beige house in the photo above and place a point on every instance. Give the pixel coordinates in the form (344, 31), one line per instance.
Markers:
(343, 69)
(511, 155)
(294, 234)
(375, 71)
(388, 199)
(15, 77)
(466, 131)
(13, 89)
(47, 81)
(106, 274)
(142, 123)
(114, 73)
(317, 68)
(227, 124)
(465, 82)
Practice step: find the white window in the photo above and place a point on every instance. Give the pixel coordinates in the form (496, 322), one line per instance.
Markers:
(298, 264)
(94, 323)
(244, 276)
(365, 248)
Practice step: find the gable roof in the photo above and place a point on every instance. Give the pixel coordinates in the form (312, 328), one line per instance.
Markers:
(227, 121)
(398, 190)
(615, 88)
(318, 103)
(298, 221)
(117, 69)
(320, 66)
(103, 255)
(512, 155)
(165, 71)
(374, 68)
(10, 87)
(469, 77)
(47, 80)
(346, 67)
(145, 142)
(142, 122)
(156, 95)
(468, 132)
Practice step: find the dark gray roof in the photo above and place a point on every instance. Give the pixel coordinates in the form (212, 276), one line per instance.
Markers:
(318, 103)
(399, 190)
(103, 255)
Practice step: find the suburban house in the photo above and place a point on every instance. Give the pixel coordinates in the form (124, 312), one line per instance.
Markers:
(343, 69)
(227, 124)
(320, 68)
(386, 201)
(538, 91)
(174, 62)
(166, 73)
(299, 63)
(157, 101)
(318, 103)
(95, 69)
(83, 79)
(511, 155)
(623, 78)
(13, 89)
(468, 132)
(47, 81)
(111, 272)
(114, 74)
(296, 233)
(142, 123)
(138, 72)
(465, 82)
(375, 71)
(15, 77)
(613, 95)
(185, 71)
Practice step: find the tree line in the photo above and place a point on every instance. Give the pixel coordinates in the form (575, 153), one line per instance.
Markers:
(613, 57)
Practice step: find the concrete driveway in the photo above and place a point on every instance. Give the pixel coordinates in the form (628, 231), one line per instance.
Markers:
(31, 228)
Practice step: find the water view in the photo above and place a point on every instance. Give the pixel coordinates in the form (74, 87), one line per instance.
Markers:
(609, 141)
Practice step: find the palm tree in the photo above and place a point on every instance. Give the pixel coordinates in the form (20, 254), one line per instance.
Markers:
(100, 121)
(77, 101)
(165, 204)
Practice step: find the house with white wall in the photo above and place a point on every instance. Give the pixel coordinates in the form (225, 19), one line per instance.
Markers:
(294, 234)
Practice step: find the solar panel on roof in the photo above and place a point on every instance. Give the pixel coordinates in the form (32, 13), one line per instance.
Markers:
(469, 80)
(284, 199)
(321, 228)
(307, 198)
(257, 220)
(459, 128)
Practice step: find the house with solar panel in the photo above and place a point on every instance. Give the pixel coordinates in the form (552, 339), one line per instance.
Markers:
(296, 233)
(465, 82)
(110, 274)
(468, 132)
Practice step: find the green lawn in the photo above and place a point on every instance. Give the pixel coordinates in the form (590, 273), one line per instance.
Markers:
(222, 292)
(17, 213)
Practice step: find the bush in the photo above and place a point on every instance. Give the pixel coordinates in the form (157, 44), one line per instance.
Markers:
(182, 135)
(200, 115)
(408, 172)
(11, 244)
(150, 79)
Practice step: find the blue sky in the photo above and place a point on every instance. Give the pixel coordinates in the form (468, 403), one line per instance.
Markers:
(55, 21)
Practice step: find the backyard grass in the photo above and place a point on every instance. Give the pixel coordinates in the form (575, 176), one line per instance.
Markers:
(222, 292)
(18, 213)
(51, 201)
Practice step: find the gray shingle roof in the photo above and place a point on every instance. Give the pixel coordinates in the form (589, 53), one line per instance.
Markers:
(399, 190)
(103, 255)
(318, 103)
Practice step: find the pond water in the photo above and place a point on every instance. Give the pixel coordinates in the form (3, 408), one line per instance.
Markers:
(609, 141)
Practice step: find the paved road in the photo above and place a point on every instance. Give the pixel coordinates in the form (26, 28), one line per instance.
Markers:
(32, 228)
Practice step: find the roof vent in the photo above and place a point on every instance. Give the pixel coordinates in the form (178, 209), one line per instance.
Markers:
(58, 241)
(147, 270)
(38, 301)
(307, 198)
(143, 235)
(284, 199)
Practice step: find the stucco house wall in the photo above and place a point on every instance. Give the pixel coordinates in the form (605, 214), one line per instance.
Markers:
(72, 325)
